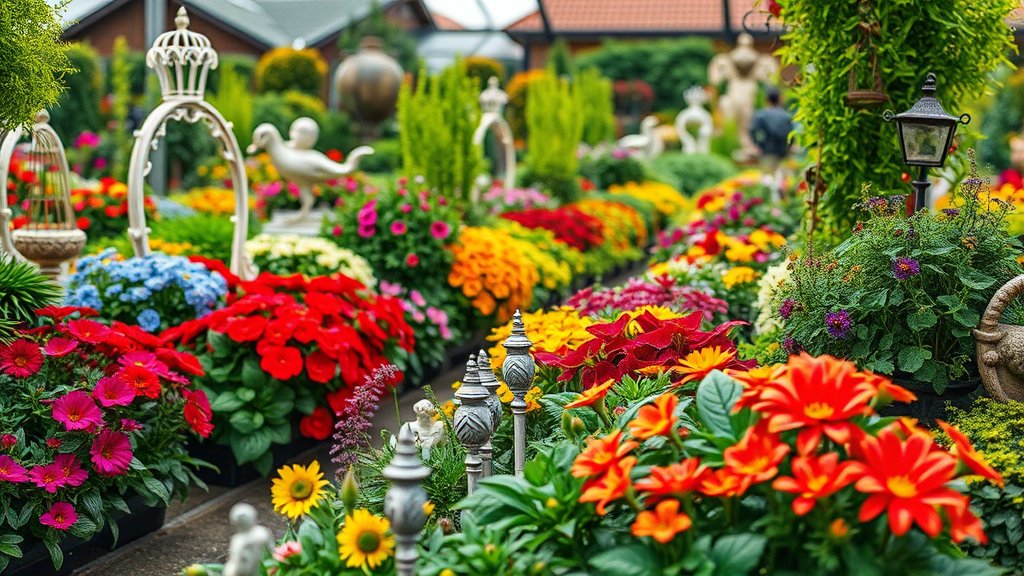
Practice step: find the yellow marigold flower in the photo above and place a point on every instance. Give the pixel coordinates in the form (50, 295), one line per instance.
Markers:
(659, 312)
(365, 541)
(560, 329)
(297, 489)
(428, 507)
(739, 275)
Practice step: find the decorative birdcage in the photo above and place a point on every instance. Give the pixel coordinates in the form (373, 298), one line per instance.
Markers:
(182, 59)
(51, 236)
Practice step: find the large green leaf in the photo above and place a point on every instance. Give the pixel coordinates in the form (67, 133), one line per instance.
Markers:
(922, 319)
(249, 447)
(226, 402)
(632, 560)
(737, 554)
(911, 358)
(716, 396)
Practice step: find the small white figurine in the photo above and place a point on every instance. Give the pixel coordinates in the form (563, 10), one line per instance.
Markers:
(429, 432)
(647, 144)
(297, 162)
(695, 115)
(245, 555)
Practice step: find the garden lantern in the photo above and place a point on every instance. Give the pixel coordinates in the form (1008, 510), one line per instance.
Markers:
(926, 133)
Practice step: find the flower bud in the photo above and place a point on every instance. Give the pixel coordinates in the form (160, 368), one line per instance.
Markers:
(578, 427)
(349, 491)
(567, 425)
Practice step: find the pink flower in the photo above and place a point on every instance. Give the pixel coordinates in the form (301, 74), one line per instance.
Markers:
(8, 441)
(272, 189)
(87, 139)
(425, 207)
(146, 360)
(367, 231)
(112, 391)
(60, 516)
(417, 298)
(99, 163)
(20, 359)
(440, 230)
(418, 317)
(11, 471)
(412, 260)
(293, 189)
(111, 453)
(76, 411)
(406, 208)
(58, 346)
(336, 231)
(351, 185)
(74, 474)
(129, 425)
(399, 228)
(287, 550)
(49, 477)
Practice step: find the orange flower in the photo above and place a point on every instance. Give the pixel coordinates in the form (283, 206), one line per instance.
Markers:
(612, 486)
(816, 477)
(838, 529)
(817, 396)
(757, 454)
(600, 455)
(656, 419)
(886, 392)
(724, 483)
(970, 458)
(663, 524)
(964, 524)
(591, 395)
(699, 363)
(906, 479)
(674, 479)
(754, 382)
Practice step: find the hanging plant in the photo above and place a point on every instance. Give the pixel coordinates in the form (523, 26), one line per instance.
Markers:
(32, 60)
(874, 95)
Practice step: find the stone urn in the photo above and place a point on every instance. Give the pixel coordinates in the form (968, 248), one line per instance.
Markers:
(1000, 347)
(368, 82)
(49, 248)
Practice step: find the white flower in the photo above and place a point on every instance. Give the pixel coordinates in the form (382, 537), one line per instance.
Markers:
(767, 288)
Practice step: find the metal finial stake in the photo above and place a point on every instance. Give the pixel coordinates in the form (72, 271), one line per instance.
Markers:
(489, 381)
(472, 422)
(404, 502)
(518, 370)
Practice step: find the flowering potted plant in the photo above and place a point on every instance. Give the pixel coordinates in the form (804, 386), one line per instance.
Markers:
(93, 424)
(491, 273)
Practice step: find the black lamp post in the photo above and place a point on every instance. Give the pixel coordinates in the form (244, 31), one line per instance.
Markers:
(926, 133)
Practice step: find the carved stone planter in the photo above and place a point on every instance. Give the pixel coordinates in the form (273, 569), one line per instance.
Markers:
(49, 248)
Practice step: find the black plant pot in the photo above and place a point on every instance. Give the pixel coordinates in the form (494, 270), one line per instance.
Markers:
(230, 473)
(931, 406)
(77, 552)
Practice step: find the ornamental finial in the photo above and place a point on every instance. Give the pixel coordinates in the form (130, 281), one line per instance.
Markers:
(181, 21)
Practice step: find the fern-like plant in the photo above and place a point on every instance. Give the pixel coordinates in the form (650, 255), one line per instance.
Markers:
(23, 290)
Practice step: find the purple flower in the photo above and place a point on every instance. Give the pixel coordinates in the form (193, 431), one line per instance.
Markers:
(791, 346)
(838, 324)
(903, 268)
(951, 212)
(786, 310)
(351, 432)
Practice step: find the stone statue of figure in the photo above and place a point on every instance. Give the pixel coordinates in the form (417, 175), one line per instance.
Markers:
(492, 103)
(742, 70)
(245, 554)
(695, 115)
(429, 432)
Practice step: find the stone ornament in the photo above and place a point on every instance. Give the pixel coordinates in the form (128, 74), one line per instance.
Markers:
(492, 103)
(1000, 347)
(697, 116)
(368, 83)
(427, 431)
(742, 70)
(182, 60)
(490, 382)
(404, 501)
(245, 554)
(296, 161)
(647, 144)
(518, 370)
(472, 422)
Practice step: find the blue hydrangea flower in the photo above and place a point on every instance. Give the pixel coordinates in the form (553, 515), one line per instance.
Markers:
(149, 320)
(86, 295)
(113, 290)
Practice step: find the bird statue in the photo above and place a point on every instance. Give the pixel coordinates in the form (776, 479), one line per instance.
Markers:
(296, 161)
(647, 144)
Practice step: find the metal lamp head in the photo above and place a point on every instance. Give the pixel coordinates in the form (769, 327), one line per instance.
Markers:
(926, 130)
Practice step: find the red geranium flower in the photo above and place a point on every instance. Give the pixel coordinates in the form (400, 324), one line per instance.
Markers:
(197, 412)
(248, 329)
(320, 367)
(317, 425)
(20, 358)
(142, 380)
(89, 331)
(282, 362)
(58, 347)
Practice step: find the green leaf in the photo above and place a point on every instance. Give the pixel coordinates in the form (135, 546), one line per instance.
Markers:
(246, 421)
(157, 488)
(222, 372)
(974, 279)
(716, 396)
(737, 554)
(249, 447)
(10, 550)
(56, 554)
(911, 358)
(84, 528)
(279, 410)
(967, 318)
(252, 375)
(922, 319)
(280, 433)
(245, 394)
(226, 402)
(220, 343)
(632, 560)
(92, 502)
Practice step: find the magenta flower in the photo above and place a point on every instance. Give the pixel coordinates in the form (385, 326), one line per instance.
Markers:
(336, 231)
(399, 228)
(440, 230)
(58, 347)
(293, 190)
(11, 471)
(406, 208)
(903, 268)
(87, 139)
(111, 391)
(60, 516)
(49, 477)
(147, 360)
(111, 453)
(838, 324)
(791, 346)
(786, 310)
(20, 358)
(76, 411)
(129, 425)
(412, 260)
(74, 474)
(367, 231)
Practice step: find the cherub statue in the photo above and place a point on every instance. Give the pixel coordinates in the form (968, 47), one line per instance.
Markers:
(245, 554)
(429, 432)
(695, 115)
(742, 70)
(296, 161)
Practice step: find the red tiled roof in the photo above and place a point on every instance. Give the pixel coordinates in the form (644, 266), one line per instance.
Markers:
(623, 16)
(446, 23)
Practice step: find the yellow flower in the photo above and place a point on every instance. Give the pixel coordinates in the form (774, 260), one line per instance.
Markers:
(447, 572)
(699, 363)
(504, 393)
(739, 275)
(558, 330)
(449, 409)
(659, 312)
(365, 541)
(428, 507)
(531, 398)
(298, 489)
(666, 200)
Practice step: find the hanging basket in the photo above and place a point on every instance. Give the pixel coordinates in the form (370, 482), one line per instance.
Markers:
(870, 98)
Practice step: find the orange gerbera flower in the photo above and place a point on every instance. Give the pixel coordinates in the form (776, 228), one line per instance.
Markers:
(964, 524)
(663, 523)
(816, 477)
(906, 479)
(757, 455)
(674, 480)
(818, 396)
(886, 392)
(754, 382)
(610, 487)
(591, 395)
(601, 454)
(724, 483)
(655, 419)
(699, 363)
(970, 458)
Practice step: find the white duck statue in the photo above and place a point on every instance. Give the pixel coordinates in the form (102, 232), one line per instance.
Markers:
(297, 162)
(647, 144)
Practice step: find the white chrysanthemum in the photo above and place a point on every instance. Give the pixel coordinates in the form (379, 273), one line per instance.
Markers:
(767, 290)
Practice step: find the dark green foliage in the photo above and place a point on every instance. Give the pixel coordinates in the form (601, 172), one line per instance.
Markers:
(397, 41)
(604, 170)
(78, 108)
(560, 60)
(23, 290)
(691, 173)
(242, 66)
(961, 41)
(482, 69)
(669, 66)
(32, 60)
(387, 157)
(281, 109)
(1000, 121)
(336, 133)
(233, 97)
(188, 146)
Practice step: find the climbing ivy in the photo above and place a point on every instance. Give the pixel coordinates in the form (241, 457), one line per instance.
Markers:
(32, 60)
(961, 41)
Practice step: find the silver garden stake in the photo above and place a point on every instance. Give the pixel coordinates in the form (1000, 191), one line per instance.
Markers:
(490, 382)
(518, 370)
(472, 422)
(404, 502)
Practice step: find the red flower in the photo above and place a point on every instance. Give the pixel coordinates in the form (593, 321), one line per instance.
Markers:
(317, 425)
(412, 260)
(58, 346)
(58, 313)
(20, 359)
(89, 331)
(337, 399)
(247, 329)
(282, 362)
(757, 455)
(674, 480)
(816, 477)
(320, 367)
(83, 223)
(969, 458)
(140, 379)
(197, 412)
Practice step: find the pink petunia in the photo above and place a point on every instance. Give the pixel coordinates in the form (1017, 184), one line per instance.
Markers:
(111, 391)
(440, 230)
(287, 550)
(8, 441)
(417, 298)
(76, 411)
(61, 516)
(145, 359)
(111, 453)
(399, 228)
(367, 231)
(74, 474)
(11, 471)
(406, 208)
(49, 477)
(129, 425)
(58, 346)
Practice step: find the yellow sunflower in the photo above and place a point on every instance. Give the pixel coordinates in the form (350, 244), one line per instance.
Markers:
(365, 541)
(298, 489)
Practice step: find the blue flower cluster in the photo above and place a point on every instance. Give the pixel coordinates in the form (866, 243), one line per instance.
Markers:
(148, 291)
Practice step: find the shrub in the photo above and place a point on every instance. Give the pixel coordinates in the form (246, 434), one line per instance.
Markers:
(691, 173)
(23, 290)
(556, 125)
(283, 69)
(595, 100)
(282, 108)
(606, 170)
(386, 157)
(78, 109)
(32, 60)
(481, 69)
(336, 134)
(515, 112)
(233, 97)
